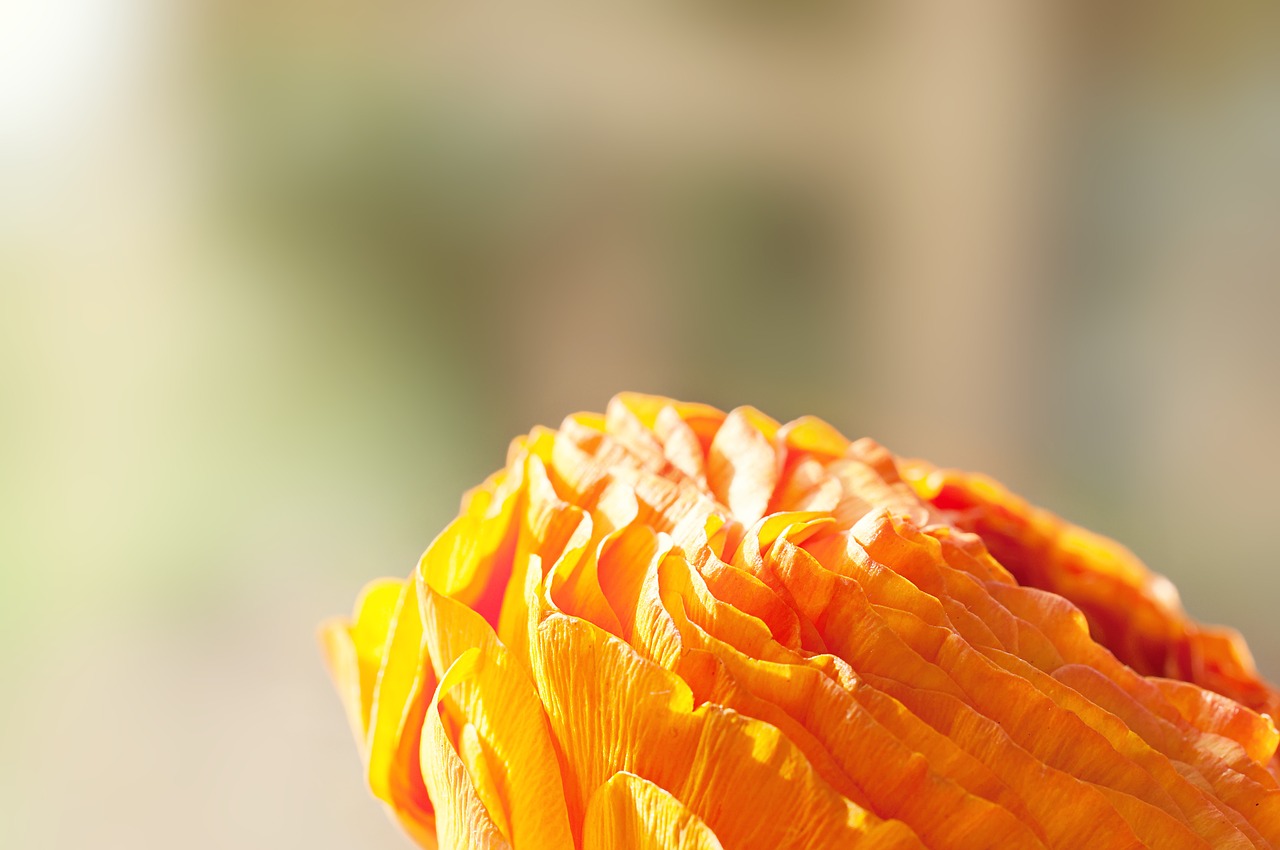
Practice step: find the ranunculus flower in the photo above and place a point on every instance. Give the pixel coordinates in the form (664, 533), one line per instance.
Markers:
(668, 627)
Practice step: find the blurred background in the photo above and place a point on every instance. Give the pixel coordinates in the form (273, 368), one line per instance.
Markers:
(280, 280)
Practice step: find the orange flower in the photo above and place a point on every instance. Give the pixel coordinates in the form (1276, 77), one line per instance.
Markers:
(670, 627)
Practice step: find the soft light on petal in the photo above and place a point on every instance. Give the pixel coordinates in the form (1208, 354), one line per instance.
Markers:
(666, 626)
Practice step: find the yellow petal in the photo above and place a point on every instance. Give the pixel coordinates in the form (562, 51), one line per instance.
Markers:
(462, 821)
(469, 560)
(354, 649)
(811, 435)
(514, 755)
(633, 813)
(546, 527)
(396, 715)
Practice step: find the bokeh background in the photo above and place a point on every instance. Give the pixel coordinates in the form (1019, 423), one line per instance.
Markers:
(280, 279)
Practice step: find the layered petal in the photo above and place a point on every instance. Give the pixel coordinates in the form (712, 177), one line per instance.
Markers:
(667, 626)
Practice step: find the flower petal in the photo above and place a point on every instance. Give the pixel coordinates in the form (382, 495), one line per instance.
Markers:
(462, 820)
(354, 649)
(613, 711)
(497, 699)
(631, 812)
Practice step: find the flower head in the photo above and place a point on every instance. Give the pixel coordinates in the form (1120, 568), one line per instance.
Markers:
(671, 627)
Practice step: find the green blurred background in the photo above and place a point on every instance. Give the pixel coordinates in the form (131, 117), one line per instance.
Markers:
(281, 279)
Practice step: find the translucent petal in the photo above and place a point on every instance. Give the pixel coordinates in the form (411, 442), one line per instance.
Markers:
(631, 812)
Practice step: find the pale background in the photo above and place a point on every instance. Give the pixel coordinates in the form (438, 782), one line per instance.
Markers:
(280, 279)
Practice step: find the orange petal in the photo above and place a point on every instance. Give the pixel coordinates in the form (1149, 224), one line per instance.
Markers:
(613, 711)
